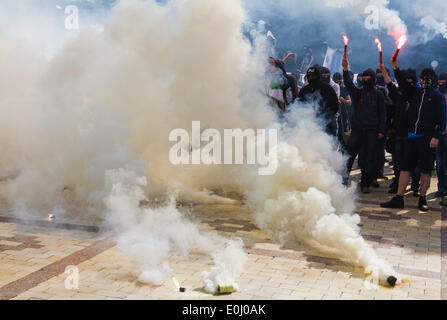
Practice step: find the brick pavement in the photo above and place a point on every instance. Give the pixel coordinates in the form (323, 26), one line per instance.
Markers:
(34, 255)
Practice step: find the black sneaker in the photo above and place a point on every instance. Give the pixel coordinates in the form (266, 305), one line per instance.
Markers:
(375, 184)
(423, 206)
(396, 203)
(366, 190)
(416, 194)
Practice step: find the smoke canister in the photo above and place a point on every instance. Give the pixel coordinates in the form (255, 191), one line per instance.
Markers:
(225, 289)
(392, 281)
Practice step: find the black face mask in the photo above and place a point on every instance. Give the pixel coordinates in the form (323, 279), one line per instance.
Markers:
(411, 83)
(313, 77)
(368, 84)
(326, 79)
(427, 83)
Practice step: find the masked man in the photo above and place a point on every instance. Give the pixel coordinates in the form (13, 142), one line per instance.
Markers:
(426, 122)
(368, 124)
(324, 97)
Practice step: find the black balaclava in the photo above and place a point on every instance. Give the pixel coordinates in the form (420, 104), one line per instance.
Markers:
(410, 74)
(313, 77)
(337, 78)
(369, 84)
(428, 78)
(443, 87)
(380, 80)
(325, 70)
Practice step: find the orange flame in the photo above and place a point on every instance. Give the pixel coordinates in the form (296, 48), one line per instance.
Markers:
(345, 39)
(401, 42)
(379, 44)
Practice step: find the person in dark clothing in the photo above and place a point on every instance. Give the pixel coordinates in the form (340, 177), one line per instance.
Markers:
(344, 119)
(380, 150)
(368, 124)
(442, 83)
(291, 81)
(426, 122)
(380, 81)
(398, 128)
(360, 80)
(441, 151)
(325, 97)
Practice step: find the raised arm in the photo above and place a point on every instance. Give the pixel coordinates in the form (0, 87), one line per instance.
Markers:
(385, 73)
(290, 55)
(354, 92)
(394, 92)
(407, 89)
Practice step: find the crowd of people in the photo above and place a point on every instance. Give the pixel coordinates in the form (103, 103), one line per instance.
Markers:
(372, 114)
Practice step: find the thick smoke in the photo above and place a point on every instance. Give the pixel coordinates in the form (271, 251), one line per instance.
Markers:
(305, 200)
(85, 131)
(433, 20)
(319, 24)
(153, 235)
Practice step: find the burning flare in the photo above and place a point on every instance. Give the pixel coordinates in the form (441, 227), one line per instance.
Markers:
(400, 43)
(379, 47)
(379, 44)
(346, 40)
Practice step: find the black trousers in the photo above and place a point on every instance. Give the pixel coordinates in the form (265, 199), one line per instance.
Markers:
(364, 143)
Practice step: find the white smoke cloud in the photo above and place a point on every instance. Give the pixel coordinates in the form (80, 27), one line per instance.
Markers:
(86, 130)
(432, 28)
(153, 235)
(305, 200)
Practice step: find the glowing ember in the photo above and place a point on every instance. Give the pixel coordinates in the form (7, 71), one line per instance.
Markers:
(379, 44)
(345, 39)
(401, 42)
(379, 47)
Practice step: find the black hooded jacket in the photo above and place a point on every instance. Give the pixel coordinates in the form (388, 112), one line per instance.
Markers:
(369, 105)
(324, 94)
(398, 118)
(426, 114)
